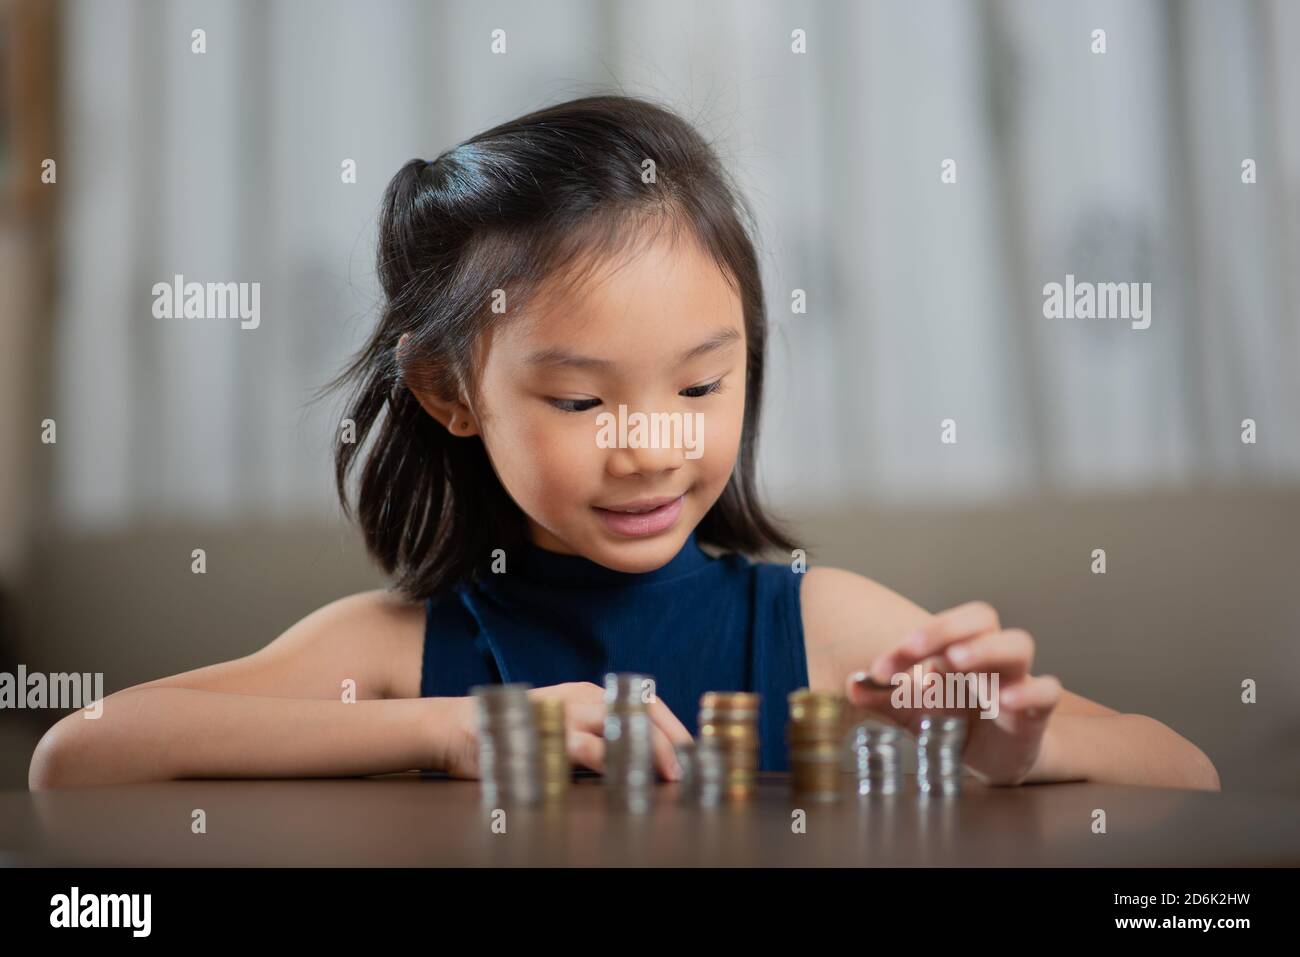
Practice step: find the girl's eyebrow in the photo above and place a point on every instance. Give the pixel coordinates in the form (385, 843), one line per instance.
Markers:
(722, 337)
(559, 357)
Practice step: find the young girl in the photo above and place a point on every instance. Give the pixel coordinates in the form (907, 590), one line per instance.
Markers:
(568, 268)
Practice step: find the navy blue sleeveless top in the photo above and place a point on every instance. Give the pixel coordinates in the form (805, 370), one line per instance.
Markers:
(697, 624)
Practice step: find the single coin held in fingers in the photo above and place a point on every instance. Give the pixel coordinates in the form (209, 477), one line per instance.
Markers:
(867, 679)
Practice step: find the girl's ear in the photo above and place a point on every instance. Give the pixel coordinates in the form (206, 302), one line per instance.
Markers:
(455, 416)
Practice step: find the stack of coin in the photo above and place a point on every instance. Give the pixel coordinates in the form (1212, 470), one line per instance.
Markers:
(553, 754)
(873, 750)
(815, 734)
(704, 771)
(729, 721)
(509, 770)
(939, 748)
(685, 754)
(629, 756)
(710, 771)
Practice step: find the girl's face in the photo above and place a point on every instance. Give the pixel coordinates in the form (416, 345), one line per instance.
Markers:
(663, 333)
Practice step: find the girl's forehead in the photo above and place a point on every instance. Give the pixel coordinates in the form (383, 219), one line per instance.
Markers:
(659, 300)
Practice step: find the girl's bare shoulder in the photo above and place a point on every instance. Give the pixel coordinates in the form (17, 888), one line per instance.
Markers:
(392, 630)
(849, 621)
(373, 639)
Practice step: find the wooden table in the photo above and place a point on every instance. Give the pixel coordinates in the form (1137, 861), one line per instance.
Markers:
(430, 820)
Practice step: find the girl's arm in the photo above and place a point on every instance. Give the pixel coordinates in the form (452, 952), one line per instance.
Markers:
(1043, 732)
(280, 712)
(1120, 749)
(277, 712)
(153, 734)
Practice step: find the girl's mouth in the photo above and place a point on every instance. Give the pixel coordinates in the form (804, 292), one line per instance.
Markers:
(637, 519)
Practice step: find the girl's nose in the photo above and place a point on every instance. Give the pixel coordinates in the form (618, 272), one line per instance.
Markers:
(644, 461)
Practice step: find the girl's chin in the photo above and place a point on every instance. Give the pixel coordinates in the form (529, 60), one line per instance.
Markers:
(637, 556)
(633, 554)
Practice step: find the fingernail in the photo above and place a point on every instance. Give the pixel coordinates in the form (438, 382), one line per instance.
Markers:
(676, 771)
(859, 676)
(959, 655)
(916, 640)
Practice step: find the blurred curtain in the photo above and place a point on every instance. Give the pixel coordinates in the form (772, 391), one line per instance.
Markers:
(924, 299)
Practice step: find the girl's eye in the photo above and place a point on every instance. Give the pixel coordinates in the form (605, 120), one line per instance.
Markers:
(574, 405)
(700, 391)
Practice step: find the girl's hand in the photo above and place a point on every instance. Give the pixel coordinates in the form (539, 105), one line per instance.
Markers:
(584, 718)
(966, 639)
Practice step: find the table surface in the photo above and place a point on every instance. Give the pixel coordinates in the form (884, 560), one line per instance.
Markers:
(422, 820)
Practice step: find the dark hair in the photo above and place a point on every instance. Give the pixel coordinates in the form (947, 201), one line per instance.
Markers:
(510, 208)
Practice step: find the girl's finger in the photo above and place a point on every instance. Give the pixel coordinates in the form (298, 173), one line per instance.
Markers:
(904, 704)
(1033, 698)
(964, 621)
(665, 719)
(585, 716)
(588, 717)
(1010, 652)
(586, 749)
(664, 756)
